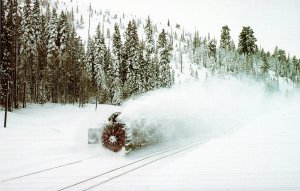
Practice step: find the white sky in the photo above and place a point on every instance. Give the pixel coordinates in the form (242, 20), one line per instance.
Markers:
(275, 22)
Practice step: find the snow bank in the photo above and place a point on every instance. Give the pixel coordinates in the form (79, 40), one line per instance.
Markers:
(208, 109)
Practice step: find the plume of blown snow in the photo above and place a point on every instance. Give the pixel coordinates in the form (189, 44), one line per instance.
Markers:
(194, 109)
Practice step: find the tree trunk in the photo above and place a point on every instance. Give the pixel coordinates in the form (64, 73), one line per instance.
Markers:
(6, 105)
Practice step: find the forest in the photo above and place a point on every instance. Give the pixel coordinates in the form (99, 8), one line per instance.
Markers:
(43, 59)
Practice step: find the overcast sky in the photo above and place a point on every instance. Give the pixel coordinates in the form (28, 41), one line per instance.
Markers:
(275, 22)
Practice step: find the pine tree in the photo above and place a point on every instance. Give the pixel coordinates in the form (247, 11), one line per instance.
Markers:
(76, 61)
(212, 49)
(130, 67)
(36, 22)
(283, 63)
(6, 67)
(100, 50)
(143, 71)
(80, 23)
(165, 78)
(64, 38)
(10, 41)
(28, 53)
(116, 64)
(150, 65)
(296, 69)
(90, 56)
(53, 58)
(196, 41)
(225, 41)
(110, 75)
(247, 47)
(149, 42)
(247, 41)
(265, 64)
(42, 62)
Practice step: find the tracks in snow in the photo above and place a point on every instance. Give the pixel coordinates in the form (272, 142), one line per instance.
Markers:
(104, 177)
(47, 169)
(95, 181)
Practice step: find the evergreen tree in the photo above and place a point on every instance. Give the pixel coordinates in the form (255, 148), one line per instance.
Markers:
(283, 62)
(36, 23)
(265, 66)
(130, 67)
(212, 49)
(165, 78)
(65, 37)
(7, 66)
(16, 25)
(149, 42)
(149, 68)
(100, 50)
(247, 47)
(28, 53)
(90, 56)
(53, 58)
(296, 69)
(196, 41)
(110, 76)
(75, 64)
(247, 41)
(116, 64)
(225, 41)
(42, 62)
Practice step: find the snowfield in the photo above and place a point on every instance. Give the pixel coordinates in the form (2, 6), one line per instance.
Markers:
(217, 135)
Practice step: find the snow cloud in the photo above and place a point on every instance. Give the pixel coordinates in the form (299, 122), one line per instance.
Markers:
(207, 109)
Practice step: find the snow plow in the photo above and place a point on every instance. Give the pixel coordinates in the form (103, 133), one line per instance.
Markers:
(115, 135)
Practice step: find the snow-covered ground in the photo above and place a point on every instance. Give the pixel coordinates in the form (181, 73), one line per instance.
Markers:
(247, 139)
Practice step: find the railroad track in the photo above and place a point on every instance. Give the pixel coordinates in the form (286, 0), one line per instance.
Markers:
(48, 169)
(98, 180)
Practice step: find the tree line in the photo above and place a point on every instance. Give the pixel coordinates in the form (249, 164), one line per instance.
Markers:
(244, 59)
(44, 60)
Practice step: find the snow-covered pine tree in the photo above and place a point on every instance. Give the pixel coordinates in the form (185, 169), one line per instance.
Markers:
(247, 41)
(265, 64)
(225, 41)
(142, 76)
(116, 64)
(283, 63)
(36, 23)
(100, 50)
(64, 67)
(27, 52)
(109, 74)
(16, 24)
(42, 61)
(163, 48)
(196, 41)
(80, 23)
(149, 58)
(75, 64)
(149, 41)
(52, 57)
(212, 49)
(247, 46)
(6, 67)
(295, 69)
(90, 58)
(130, 60)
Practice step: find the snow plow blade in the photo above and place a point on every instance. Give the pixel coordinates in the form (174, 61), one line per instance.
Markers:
(118, 136)
(115, 136)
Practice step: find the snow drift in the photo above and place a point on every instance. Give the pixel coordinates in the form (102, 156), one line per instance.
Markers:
(198, 109)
